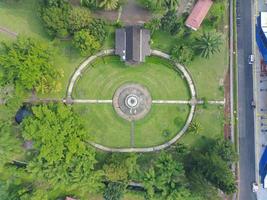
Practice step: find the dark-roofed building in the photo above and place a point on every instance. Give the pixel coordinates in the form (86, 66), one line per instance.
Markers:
(132, 44)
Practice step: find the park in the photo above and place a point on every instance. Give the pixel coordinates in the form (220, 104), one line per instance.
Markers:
(113, 100)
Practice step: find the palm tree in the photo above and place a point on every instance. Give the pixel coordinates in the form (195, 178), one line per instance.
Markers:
(108, 4)
(208, 44)
(89, 3)
(172, 4)
(195, 127)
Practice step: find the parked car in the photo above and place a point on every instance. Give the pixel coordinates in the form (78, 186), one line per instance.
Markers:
(255, 187)
(251, 59)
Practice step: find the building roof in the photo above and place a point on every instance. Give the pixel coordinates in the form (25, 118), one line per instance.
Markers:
(198, 14)
(132, 44)
(263, 20)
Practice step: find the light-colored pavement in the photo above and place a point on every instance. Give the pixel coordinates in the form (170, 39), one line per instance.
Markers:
(260, 93)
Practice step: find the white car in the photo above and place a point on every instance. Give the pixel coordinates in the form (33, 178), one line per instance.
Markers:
(255, 187)
(251, 59)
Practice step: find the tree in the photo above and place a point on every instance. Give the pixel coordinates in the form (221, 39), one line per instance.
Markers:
(165, 175)
(169, 22)
(79, 18)
(63, 159)
(153, 25)
(171, 4)
(85, 42)
(114, 191)
(195, 128)
(182, 53)
(97, 28)
(10, 146)
(108, 4)
(160, 5)
(93, 4)
(55, 20)
(212, 167)
(225, 149)
(27, 63)
(120, 168)
(208, 44)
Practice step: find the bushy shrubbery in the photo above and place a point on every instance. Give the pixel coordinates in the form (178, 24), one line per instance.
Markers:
(62, 20)
(101, 4)
(86, 42)
(28, 64)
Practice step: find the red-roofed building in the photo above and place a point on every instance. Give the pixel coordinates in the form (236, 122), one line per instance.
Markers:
(198, 14)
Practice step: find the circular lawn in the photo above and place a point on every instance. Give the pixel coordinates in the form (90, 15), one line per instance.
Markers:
(104, 76)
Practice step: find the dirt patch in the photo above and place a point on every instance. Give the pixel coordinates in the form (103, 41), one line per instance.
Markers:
(227, 106)
(107, 15)
(134, 14)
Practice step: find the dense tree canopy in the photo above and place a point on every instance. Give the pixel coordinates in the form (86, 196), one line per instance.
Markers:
(182, 53)
(28, 64)
(10, 146)
(55, 19)
(211, 164)
(114, 191)
(160, 5)
(85, 42)
(63, 156)
(79, 18)
(103, 4)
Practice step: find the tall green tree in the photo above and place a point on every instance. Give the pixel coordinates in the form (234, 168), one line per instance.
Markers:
(182, 53)
(85, 42)
(64, 158)
(114, 191)
(108, 4)
(165, 176)
(28, 64)
(120, 168)
(79, 18)
(10, 146)
(208, 44)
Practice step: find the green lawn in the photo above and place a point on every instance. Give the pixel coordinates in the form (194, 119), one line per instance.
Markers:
(211, 121)
(102, 79)
(208, 74)
(163, 41)
(107, 128)
(149, 131)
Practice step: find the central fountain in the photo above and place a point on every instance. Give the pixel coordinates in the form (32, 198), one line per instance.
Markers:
(132, 101)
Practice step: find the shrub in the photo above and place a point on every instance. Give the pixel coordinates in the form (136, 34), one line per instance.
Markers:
(85, 42)
(56, 20)
(166, 133)
(78, 19)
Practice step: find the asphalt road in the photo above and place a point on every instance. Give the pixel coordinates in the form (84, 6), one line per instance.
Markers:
(245, 96)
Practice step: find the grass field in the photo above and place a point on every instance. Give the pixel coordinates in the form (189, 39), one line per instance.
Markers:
(211, 121)
(208, 74)
(107, 128)
(102, 79)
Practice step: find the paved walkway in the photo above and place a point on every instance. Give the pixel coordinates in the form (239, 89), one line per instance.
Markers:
(7, 31)
(193, 102)
(179, 67)
(109, 101)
